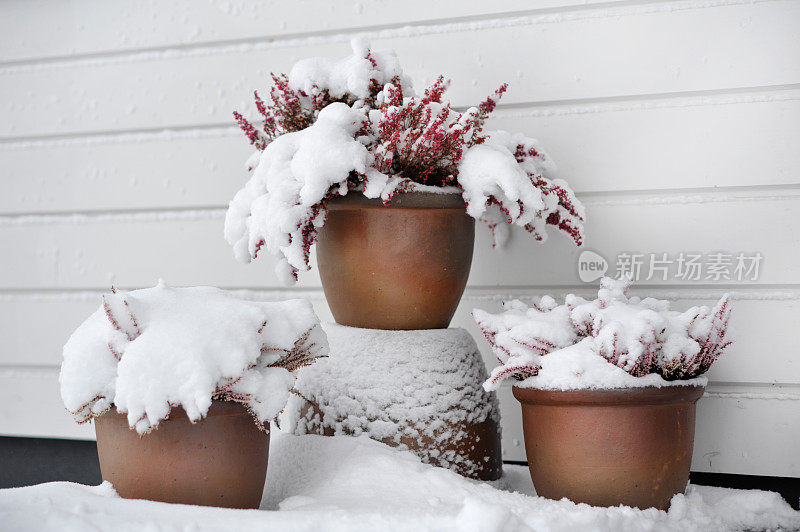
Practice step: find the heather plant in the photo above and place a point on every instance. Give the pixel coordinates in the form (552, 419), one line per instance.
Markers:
(294, 110)
(356, 125)
(423, 139)
(316, 83)
(640, 336)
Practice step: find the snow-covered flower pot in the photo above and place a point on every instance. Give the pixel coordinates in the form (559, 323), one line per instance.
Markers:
(401, 266)
(608, 390)
(355, 127)
(415, 390)
(182, 384)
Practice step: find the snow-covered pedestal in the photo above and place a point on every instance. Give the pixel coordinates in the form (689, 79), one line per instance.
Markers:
(417, 390)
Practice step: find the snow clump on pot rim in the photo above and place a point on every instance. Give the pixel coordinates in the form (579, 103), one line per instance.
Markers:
(355, 125)
(147, 351)
(614, 341)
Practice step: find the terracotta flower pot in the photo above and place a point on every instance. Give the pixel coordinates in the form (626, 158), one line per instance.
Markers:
(404, 266)
(219, 461)
(610, 447)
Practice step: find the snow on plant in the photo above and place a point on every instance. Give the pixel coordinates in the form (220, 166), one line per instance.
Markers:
(333, 127)
(282, 206)
(642, 337)
(423, 138)
(150, 350)
(509, 172)
(297, 99)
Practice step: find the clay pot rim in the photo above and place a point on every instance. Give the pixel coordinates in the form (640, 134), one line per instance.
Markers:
(409, 331)
(408, 200)
(642, 396)
(218, 408)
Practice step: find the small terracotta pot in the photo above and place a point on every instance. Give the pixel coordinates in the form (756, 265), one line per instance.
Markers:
(404, 266)
(219, 461)
(610, 447)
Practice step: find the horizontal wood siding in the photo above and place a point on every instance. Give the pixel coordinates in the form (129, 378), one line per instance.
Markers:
(677, 122)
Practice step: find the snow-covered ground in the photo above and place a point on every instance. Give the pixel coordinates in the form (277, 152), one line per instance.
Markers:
(346, 483)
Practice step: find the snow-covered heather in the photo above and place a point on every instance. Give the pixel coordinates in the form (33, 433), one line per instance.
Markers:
(614, 341)
(293, 175)
(420, 388)
(355, 125)
(345, 483)
(350, 76)
(510, 171)
(148, 350)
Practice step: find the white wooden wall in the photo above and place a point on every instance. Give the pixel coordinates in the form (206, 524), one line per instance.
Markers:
(677, 122)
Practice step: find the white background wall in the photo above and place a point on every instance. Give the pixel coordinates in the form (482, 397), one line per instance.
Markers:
(677, 123)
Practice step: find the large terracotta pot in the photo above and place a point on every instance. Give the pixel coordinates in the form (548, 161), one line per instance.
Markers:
(610, 447)
(402, 266)
(219, 461)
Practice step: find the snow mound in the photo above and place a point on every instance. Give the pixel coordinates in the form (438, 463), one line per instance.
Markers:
(345, 483)
(149, 350)
(614, 341)
(417, 390)
(578, 367)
